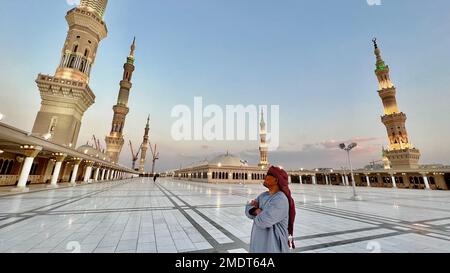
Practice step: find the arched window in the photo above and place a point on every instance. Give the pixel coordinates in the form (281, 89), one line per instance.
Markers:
(75, 48)
(83, 65)
(86, 53)
(33, 170)
(1, 165)
(4, 167)
(53, 123)
(10, 166)
(72, 61)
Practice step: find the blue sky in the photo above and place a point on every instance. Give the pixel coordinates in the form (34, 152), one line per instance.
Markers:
(313, 58)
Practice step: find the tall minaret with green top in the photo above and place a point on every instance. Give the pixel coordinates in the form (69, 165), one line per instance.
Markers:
(115, 141)
(144, 147)
(263, 147)
(401, 153)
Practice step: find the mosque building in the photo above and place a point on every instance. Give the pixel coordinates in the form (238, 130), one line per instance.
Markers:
(400, 167)
(48, 155)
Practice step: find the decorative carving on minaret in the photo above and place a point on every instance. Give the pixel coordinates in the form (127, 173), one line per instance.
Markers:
(401, 153)
(115, 140)
(66, 95)
(144, 147)
(263, 147)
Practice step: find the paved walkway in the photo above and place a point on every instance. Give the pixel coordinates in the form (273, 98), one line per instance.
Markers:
(173, 216)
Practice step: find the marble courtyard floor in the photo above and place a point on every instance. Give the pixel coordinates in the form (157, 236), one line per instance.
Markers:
(173, 216)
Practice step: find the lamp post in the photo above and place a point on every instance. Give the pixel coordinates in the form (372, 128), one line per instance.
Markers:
(348, 148)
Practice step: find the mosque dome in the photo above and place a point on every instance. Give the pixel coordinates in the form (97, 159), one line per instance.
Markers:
(91, 151)
(228, 160)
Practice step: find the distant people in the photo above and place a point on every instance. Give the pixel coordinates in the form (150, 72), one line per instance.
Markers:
(155, 177)
(273, 215)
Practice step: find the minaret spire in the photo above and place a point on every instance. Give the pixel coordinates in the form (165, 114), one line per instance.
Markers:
(115, 141)
(144, 147)
(263, 123)
(380, 62)
(263, 148)
(132, 49)
(400, 152)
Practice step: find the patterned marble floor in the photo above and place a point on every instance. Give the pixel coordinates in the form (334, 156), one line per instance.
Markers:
(173, 216)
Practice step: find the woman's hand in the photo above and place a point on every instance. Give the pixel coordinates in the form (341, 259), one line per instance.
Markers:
(258, 212)
(254, 203)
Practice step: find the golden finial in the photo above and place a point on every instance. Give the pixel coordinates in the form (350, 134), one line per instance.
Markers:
(374, 40)
(133, 47)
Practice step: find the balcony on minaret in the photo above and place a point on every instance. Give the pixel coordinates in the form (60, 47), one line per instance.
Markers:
(74, 66)
(96, 6)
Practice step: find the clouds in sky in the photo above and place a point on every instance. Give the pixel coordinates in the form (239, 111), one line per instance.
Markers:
(73, 2)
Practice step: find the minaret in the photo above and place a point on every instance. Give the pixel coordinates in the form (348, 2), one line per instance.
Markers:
(115, 141)
(401, 154)
(263, 148)
(144, 147)
(66, 95)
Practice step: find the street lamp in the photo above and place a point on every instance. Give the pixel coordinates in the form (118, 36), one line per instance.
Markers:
(348, 148)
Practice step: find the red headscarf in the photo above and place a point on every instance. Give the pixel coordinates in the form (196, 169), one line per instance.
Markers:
(283, 183)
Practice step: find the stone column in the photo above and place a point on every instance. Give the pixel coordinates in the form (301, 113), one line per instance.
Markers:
(314, 181)
(368, 181)
(103, 175)
(326, 180)
(59, 157)
(88, 172)
(97, 170)
(289, 179)
(394, 184)
(30, 153)
(426, 181)
(301, 180)
(76, 166)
